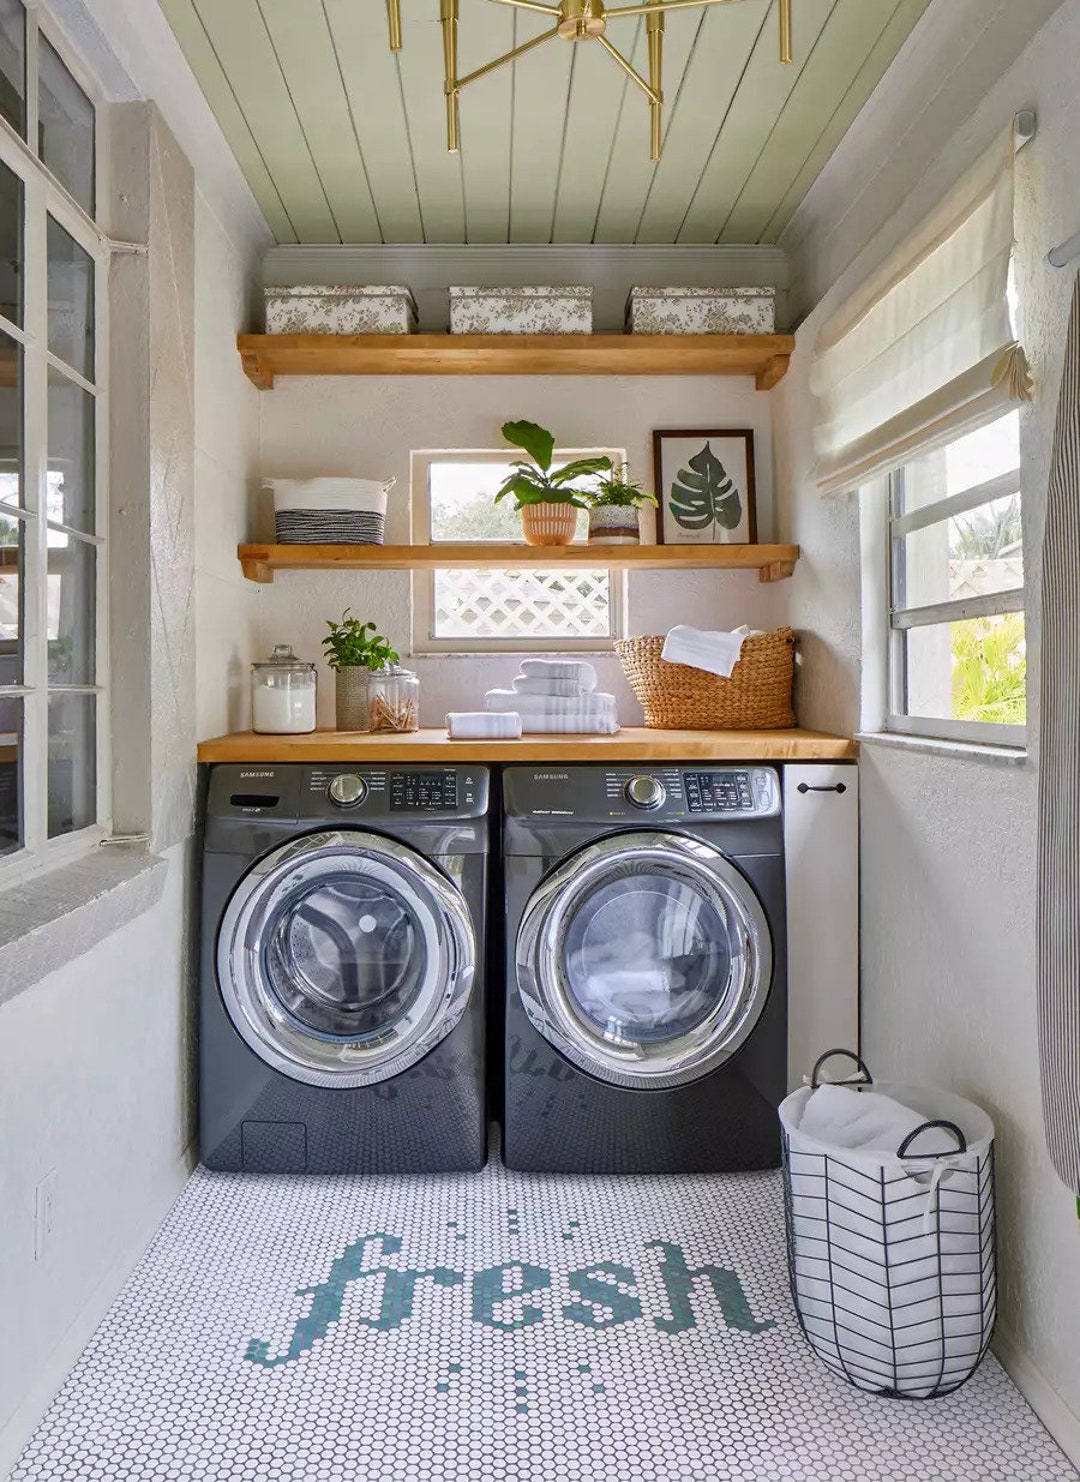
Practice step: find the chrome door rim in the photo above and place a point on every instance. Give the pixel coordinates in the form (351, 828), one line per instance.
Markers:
(685, 1057)
(441, 915)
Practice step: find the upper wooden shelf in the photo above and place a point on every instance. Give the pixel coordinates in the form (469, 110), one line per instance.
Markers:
(771, 562)
(266, 356)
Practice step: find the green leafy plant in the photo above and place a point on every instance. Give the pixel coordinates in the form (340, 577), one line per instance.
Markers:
(535, 481)
(352, 644)
(704, 493)
(618, 488)
(989, 670)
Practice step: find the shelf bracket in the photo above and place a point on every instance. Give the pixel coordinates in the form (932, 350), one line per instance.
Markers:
(257, 571)
(258, 370)
(773, 373)
(776, 571)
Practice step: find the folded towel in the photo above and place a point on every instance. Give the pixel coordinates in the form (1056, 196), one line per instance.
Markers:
(470, 725)
(583, 714)
(867, 1120)
(542, 684)
(718, 653)
(577, 669)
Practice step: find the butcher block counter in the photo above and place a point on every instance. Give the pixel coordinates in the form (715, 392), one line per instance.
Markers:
(632, 744)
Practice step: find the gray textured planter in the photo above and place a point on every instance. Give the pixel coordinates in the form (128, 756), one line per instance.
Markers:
(351, 699)
(614, 524)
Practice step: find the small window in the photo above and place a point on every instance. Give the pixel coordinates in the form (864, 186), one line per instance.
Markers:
(958, 656)
(487, 609)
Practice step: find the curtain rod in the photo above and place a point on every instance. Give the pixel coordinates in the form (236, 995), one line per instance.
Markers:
(1062, 256)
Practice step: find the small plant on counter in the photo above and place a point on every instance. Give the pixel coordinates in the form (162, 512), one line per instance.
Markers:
(548, 498)
(354, 650)
(349, 646)
(614, 503)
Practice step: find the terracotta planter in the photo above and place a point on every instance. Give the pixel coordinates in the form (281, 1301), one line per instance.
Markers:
(548, 524)
(614, 524)
(351, 699)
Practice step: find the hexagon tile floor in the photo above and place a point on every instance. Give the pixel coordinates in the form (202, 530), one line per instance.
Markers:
(492, 1326)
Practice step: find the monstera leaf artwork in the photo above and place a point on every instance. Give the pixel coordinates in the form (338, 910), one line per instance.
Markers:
(708, 484)
(704, 494)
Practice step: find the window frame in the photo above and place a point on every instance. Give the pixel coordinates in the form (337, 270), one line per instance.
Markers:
(422, 603)
(43, 197)
(902, 619)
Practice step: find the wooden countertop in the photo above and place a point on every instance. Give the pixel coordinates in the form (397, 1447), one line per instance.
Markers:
(632, 744)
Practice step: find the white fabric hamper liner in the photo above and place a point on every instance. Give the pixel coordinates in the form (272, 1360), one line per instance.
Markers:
(330, 511)
(891, 1253)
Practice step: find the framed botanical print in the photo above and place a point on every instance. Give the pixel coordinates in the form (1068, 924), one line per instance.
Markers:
(705, 487)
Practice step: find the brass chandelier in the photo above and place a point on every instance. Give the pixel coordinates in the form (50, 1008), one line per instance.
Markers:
(575, 20)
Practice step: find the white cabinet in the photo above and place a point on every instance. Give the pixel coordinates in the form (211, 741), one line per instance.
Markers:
(821, 844)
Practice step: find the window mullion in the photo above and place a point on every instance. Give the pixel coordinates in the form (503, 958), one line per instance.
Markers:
(35, 432)
(32, 114)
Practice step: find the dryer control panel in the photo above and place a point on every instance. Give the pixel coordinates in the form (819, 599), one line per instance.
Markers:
(639, 793)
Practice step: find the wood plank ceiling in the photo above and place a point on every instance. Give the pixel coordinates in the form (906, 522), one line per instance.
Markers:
(343, 141)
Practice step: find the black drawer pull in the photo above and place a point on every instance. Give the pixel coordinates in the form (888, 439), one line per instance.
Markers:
(804, 787)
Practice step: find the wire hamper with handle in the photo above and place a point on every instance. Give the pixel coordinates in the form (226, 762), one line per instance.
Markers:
(892, 1257)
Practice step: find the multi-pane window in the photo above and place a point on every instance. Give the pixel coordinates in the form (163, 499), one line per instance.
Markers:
(958, 658)
(478, 608)
(52, 525)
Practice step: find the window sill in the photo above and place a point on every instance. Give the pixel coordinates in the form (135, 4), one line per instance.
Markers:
(57, 916)
(1008, 756)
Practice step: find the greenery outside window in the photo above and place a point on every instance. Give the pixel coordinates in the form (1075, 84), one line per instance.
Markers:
(957, 649)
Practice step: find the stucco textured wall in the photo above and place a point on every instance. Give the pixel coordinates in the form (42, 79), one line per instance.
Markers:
(948, 844)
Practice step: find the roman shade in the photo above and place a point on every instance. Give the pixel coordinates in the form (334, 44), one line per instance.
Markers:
(924, 350)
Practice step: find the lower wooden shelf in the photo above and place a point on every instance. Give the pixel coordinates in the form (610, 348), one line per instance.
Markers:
(632, 744)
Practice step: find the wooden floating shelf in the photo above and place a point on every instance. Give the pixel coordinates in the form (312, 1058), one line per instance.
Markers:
(267, 356)
(632, 744)
(771, 562)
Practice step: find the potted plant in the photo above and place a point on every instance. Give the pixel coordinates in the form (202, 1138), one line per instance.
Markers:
(354, 650)
(615, 501)
(548, 498)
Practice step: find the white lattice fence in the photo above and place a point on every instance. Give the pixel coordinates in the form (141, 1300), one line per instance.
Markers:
(522, 604)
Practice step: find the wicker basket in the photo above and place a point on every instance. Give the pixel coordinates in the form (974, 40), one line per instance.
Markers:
(675, 697)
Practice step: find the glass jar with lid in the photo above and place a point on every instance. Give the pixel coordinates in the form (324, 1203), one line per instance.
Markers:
(282, 694)
(393, 699)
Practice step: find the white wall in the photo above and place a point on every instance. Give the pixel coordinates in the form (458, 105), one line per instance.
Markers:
(948, 843)
(368, 426)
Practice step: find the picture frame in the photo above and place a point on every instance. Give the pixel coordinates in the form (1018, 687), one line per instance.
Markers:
(705, 486)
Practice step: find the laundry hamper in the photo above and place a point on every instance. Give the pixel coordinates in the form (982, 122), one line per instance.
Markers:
(329, 511)
(756, 696)
(892, 1257)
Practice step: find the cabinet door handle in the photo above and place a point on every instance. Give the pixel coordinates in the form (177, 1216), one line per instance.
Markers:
(804, 787)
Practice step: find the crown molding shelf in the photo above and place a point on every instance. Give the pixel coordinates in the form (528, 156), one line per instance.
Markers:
(771, 562)
(267, 356)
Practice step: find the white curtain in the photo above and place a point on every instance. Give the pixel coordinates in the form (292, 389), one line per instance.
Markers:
(925, 348)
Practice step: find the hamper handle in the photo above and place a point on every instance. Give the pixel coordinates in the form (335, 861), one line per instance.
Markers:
(961, 1140)
(867, 1080)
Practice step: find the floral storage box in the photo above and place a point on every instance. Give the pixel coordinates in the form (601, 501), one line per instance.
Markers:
(321, 308)
(521, 310)
(701, 311)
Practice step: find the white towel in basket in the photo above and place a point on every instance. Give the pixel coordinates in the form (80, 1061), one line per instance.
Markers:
(866, 1119)
(716, 653)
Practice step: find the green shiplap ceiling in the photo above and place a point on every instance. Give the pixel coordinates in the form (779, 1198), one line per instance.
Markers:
(342, 141)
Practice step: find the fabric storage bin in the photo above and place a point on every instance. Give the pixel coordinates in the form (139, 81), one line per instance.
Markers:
(330, 511)
(321, 308)
(891, 1255)
(521, 310)
(701, 311)
(755, 697)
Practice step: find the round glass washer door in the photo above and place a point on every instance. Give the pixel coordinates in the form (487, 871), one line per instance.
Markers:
(645, 959)
(344, 957)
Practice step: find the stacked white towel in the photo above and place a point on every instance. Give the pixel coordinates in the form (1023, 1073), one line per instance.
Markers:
(555, 696)
(474, 725)
(717, 653)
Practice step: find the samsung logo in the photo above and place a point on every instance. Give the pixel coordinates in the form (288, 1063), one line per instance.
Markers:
(551, 776)
(257, 774)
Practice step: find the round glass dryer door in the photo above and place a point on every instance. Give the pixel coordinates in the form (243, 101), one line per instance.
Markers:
(645, 959)
(343, 958)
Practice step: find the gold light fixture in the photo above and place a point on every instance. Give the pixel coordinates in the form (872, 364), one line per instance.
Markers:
(575, 20)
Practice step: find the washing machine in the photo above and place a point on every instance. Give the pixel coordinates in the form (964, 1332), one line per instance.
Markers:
(646, 1002)
(342, 1004)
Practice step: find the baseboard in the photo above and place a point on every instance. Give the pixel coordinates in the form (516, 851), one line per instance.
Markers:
(1062, 1423)
(18, 1429)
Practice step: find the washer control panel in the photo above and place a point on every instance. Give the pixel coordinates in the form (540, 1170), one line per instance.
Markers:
(367, 793)
(733, 790)
(424, 792)
(664, 793)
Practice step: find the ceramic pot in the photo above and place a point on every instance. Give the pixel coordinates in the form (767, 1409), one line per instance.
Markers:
(548, 524)
(351, 699)
(614, 524)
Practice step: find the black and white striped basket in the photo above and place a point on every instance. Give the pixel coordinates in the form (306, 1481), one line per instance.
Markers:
(329, 527)
(892, 1256)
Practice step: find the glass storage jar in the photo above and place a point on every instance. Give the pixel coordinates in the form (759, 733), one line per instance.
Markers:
(393, 699)
(282, 694)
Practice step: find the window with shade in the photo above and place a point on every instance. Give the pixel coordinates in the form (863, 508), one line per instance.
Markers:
(52, 515)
